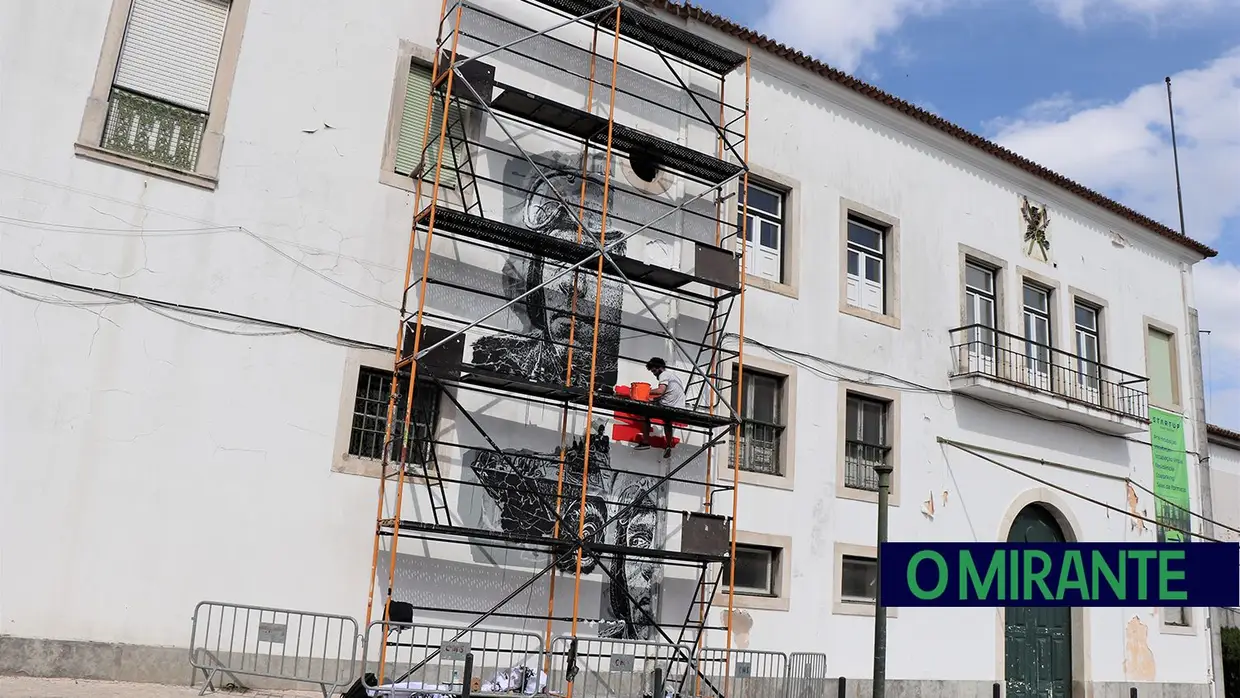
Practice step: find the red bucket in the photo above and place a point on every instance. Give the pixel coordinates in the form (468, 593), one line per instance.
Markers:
(639, 391)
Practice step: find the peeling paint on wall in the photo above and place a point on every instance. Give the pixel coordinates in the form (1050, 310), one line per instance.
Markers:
(927, 507)
(741, 626)
(1137, 524)
(1138, 657)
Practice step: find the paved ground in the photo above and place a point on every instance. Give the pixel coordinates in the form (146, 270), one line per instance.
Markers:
(23, 687)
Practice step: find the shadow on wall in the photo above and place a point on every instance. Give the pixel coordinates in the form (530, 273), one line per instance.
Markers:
(1075, 443)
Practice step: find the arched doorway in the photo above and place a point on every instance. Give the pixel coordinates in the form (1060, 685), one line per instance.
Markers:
(1037, 640)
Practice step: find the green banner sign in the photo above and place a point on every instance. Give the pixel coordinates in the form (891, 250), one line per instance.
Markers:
(1172, 505)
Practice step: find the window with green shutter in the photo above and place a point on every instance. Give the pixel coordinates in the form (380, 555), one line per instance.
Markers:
(413, 129)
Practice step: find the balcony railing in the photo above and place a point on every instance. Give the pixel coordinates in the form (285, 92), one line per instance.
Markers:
(980, 350)
(759, 448)
(859, 461)
(153, 130)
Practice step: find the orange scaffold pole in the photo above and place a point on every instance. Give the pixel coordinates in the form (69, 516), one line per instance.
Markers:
(740, 370)
(417, 335)
(598, 301)
(568, 374)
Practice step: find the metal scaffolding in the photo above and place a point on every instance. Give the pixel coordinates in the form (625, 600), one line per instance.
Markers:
(500, 83)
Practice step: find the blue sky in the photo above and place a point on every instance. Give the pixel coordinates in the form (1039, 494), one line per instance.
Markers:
(1076, 85)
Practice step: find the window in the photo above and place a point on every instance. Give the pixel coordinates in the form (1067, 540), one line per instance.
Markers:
(1160, 359)
(980, 302)
(413, 131)
(866, 265)
(1037, 304)
(865, 441)
(157, 104)
(370, 417)
(762, 427)
(1088, 348)
(756, 569)
(859, 580)
(1178, 617)
(165, 74)
(762, 215)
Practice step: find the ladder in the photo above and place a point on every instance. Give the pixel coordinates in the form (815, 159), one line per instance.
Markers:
(462, 160)
(709, 354)
(692, 629)
(422, 451)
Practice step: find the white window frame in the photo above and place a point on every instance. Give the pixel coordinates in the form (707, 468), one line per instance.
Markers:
(982, 344)
(1039, 356)
(761, 260)
(205, 174)
(1087, 340)
(853, 285)
(863, 292)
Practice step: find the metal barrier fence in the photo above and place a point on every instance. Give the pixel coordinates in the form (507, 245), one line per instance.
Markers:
(749, 673)
(603, 667)
(276, 643)
(421, 660)
(807, 675)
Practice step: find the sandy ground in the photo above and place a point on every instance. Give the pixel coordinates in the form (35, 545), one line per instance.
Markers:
(24, 687)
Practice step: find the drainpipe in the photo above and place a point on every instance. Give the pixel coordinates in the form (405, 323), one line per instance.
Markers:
(1214, 669)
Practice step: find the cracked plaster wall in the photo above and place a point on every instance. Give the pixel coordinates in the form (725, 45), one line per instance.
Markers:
(147, 465)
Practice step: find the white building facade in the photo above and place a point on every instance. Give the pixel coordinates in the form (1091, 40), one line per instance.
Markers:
(199, 319)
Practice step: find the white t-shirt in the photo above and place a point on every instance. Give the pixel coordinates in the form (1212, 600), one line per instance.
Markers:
(674, 395)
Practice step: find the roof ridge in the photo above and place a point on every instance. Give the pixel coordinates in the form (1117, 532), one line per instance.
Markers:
(699, 14)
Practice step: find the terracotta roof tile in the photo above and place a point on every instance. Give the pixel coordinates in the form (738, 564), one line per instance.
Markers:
(1223, 433)
(686, 10)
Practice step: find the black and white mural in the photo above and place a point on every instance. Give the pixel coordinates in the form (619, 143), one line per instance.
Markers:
(539, 349)
(520, 484)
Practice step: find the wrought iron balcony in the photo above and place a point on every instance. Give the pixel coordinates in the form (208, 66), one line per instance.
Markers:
(1015, 371)
(859, 461)
(153, 130)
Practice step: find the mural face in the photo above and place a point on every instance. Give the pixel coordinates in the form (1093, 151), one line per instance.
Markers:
(540, 352)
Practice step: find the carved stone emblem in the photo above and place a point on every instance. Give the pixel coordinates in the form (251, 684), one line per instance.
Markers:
(1037, 218)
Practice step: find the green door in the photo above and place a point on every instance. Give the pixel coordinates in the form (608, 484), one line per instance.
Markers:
(1038, 641)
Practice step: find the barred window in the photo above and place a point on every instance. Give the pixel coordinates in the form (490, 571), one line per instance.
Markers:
(370, 417)
(761, 408)
(865, 441)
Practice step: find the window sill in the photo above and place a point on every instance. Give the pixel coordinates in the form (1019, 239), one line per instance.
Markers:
(367, 467)
(853, 608)
(859, 495)
(1170, 629)
(778, 482)
(788, 290)
(750, 602)
(888, 320)
(109, 157)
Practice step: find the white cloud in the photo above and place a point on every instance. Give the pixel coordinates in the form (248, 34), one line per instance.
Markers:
(844, 32)
(841, 32)
(1078, 13)
(1124, 149)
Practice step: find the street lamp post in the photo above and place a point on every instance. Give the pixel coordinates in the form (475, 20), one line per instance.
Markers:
(880, 611)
